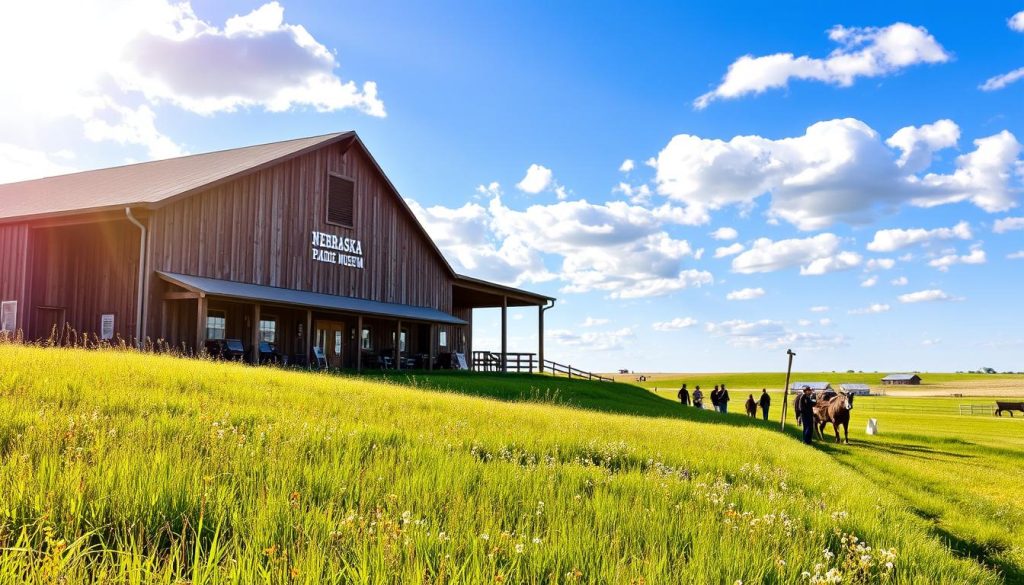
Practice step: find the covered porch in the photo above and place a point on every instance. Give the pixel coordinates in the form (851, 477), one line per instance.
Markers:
(305, 328)
(471, 293)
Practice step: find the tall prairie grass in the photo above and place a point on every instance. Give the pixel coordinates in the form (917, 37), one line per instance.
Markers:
(124, 467)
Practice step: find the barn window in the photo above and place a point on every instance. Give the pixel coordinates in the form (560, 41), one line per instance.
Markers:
(8, 316)
(340, 201)
(216, 324)
(442, 338)
(366, 339)
(268, 329)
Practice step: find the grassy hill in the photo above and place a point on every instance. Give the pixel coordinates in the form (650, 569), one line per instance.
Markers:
(120, 467)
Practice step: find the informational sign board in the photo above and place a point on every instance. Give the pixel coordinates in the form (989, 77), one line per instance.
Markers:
(9, 316)
(460, 361)
(107, 326)
(318, 355)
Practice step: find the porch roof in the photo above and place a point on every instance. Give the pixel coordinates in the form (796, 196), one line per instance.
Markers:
(312, 300)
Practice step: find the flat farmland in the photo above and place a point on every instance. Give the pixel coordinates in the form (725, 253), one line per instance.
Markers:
(934, 384)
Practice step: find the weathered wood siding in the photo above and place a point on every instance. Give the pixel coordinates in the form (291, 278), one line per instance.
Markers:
(257, 229)
(87, 270)
(14, 253)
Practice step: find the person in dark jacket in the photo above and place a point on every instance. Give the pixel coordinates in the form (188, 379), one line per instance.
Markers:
(723, 400)
(684, 396)
(751, 406)
(765, 402)
(807, 414)
(714, 399)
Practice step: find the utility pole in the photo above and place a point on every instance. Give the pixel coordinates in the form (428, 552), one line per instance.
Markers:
(785, 392)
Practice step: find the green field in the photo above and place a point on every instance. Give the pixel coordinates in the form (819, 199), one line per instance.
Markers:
(117, 467)
(778, 379)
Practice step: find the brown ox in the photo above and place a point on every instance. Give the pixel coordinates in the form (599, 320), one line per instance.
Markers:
(835, 410)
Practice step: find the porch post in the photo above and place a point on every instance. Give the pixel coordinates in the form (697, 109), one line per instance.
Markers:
(255, 349)
(540, 338)
(504, 333)
(359, 343)
(433, 342)
(307, 341)
(201, 307)
(398, 344)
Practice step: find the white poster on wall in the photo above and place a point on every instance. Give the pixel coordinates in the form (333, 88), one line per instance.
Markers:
(9, 316)
(107, 326)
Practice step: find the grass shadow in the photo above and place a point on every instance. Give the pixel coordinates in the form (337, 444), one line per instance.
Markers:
(986, 554)
(608, 397)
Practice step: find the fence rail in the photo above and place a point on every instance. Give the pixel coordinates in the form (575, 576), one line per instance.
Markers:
(527, 363)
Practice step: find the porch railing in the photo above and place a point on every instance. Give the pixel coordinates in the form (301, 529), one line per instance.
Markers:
(527, 363)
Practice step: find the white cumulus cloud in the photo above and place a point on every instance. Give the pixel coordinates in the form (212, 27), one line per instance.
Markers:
(862, 52)
(837, 171)
(592, 340)
(976, 256)
(627, 166)
(730, 250)
(770, 334)
(111, 65)
(900, 281)
(725, 233)
(537, 179)
(895, 239)
(674, 324)
(923, 296)
(1008, 224)
(814, 255)
(1019, 255)
(869, 282)
(617, 248)
(593, 322)
(745, 294)
(871, 309)
(1016, 23)
(819, 309)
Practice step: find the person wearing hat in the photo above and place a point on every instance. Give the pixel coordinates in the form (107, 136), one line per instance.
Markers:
(806, 409)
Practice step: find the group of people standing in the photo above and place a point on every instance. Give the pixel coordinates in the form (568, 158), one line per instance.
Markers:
(803, 404)
(720, 400)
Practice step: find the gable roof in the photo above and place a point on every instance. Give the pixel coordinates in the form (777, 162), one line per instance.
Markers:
(901, 377)
(812, 385)
(147, 184)
(855, 387)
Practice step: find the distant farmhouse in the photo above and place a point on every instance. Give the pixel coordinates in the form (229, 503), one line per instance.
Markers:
(911, 379)
(815, 386)
(856, 389)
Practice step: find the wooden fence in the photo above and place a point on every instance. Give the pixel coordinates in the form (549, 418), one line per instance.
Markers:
(527, 363)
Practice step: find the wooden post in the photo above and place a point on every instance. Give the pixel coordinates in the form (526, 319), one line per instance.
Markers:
(307, 341)
(433, 346)
(201, 308)
(540, 338)
(255, 349)
(398, 344)
(359, 343)
(785, 392)
(504, 333)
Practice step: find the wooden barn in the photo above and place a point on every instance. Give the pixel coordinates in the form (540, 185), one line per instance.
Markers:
(815, 386)
(303, 246)
(893, 379)
(855, 389)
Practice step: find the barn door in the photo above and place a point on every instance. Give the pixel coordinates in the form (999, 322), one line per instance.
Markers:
(330, 338)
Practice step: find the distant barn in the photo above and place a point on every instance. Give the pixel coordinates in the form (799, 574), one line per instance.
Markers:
(856, 389)
(912, 379)
(815, 386)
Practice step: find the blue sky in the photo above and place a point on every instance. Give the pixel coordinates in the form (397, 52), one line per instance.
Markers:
(856, 169)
